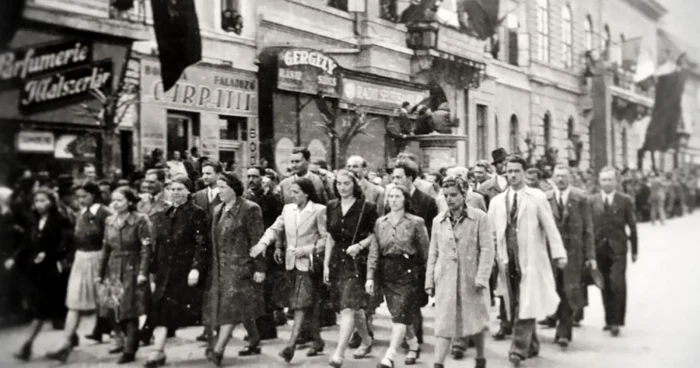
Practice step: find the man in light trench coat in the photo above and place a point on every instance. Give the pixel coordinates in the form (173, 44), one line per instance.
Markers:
(523, 225)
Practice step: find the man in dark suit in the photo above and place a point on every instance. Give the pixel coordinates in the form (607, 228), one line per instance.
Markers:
(572, 213)
(300, 169)
(612, 212)
(208, 199)
(424, 206)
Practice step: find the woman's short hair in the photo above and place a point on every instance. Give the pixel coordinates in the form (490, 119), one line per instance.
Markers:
(455, 181)
(50, 194)
(130, 195)
(232, 180)
(184, 180)
(90, 188)
(356, 188)
(307, 187)
(407, 206)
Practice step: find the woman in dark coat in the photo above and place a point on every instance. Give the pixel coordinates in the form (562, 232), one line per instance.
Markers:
(350, 223)
(11, 235)
(397, 257)
(126, 254)
(38, 261)
(234, 284)
(177, 263)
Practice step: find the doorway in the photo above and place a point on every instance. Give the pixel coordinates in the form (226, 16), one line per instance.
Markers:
(178, 133)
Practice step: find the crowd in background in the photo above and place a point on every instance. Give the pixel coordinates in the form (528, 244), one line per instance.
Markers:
(171, 231)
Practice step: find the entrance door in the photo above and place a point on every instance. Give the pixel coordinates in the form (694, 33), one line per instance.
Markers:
(178, 137)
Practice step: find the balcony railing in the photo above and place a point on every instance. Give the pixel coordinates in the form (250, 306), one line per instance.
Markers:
(625, 79)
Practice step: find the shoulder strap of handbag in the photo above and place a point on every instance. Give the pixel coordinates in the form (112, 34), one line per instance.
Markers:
(359, 220)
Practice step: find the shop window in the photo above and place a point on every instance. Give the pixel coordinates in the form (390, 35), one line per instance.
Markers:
(388, 10)
(181, 127)
(236, 128)
(339, 4)
(567, 37)
(514, 134)
(231, 19)
(543, 30)
(481, 131)
(547, 127)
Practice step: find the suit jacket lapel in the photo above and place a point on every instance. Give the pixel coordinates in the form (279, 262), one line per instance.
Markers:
(554, 205)
(523, 202)
(306, 214)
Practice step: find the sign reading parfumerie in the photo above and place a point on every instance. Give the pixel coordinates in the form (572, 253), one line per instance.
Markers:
(51, 74)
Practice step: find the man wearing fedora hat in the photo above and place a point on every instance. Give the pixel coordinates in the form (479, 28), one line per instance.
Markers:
(497, 183)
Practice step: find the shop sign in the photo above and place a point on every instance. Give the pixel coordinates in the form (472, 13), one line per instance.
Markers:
(70, 146)
(308, 71)
(253, 145)
(20, 64)
(94, 8)
(376, 95)
(34, 141)
(202, 89)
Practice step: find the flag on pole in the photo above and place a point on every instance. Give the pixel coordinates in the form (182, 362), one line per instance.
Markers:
(479, 17)
(177, 33)
(662, 132)
(10, 19)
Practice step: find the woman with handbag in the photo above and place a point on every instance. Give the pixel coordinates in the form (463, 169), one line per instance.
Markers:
(123, 275)
(303, 224)
(178, 262)
(87, 241)
(38, 261)
(396, 258)
(350, 222)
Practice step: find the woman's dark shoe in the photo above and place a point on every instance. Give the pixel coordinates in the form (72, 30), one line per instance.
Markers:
(74, 340)
(126, 358)
(216, 358)
(250, 350)
(480, 363)
(502, 334)
(280, 318)
(316, 349)
(94, 337)
(457, 352)
(116, 350)
(355, 341)
(154, 363)
(60, 355)
(287, 354)
(24, 353)
(438, 365)
(412, 357)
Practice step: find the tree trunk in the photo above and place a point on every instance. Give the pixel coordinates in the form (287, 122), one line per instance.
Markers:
(342, 153)
(108, 138)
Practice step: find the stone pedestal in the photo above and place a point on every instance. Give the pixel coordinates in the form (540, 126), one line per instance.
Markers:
(438, 150)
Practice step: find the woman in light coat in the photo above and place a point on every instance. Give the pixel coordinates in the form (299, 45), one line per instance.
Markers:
(460, 234)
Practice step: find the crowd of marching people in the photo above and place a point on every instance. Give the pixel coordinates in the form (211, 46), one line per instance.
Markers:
(190, 243)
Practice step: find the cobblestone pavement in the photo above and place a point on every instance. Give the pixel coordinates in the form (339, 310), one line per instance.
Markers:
(661, 325)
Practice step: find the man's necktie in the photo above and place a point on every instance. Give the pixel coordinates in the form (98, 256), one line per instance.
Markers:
(561, 204)
(514, 209)
(607, 204)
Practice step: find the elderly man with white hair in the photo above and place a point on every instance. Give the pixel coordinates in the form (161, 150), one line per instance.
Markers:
(474, 199)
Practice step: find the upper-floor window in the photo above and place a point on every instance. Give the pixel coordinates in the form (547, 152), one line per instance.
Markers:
(547, 128)
(605, 42)
(339, 4)
(543, 30)
(567, 37)
(388, 9)
(231, 19)
(481, 132)
(514, 134)
(620, 53)
(588, 33)
(512, 26)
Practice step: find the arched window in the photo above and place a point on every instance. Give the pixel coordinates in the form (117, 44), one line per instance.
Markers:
(514, 134)
(605, 43)
(570, 128)
(543, 30)
(588, 32)
(547, 126)
(567, 37)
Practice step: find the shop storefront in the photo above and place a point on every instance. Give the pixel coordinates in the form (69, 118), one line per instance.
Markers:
(213, 108)
(46, 77)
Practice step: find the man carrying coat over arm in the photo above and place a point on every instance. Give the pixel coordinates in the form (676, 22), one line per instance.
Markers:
(523, 225)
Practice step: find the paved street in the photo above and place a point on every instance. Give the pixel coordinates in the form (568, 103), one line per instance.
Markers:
(661, 331)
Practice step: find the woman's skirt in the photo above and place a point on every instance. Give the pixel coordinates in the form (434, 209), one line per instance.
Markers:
(302, 289)
(82, 290)
(349, 293)
(401, 288)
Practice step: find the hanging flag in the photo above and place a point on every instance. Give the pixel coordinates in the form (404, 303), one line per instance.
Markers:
(419, 10)
(10, 19)
(177, 33)
(479, 17)
(662, 132)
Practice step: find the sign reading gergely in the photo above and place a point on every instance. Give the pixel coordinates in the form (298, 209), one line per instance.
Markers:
(377, 95)
(308, 71)
(202, 88)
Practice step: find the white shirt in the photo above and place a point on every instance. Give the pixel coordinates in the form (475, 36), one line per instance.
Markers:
(562, 196)
(511, 194)
(93, 209)
(212, 193)
(502, 181)
(608, 198)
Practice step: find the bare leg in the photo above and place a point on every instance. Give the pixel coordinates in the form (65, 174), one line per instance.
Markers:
(159, 337)
(442, 346)
(34, 329)
(347, 325)
(224, 335)
(296, 328)
(398, 332)
(362, 327)
(71, 326)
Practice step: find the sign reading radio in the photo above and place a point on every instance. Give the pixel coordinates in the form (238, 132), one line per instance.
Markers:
(308, 71)
(53, 73)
